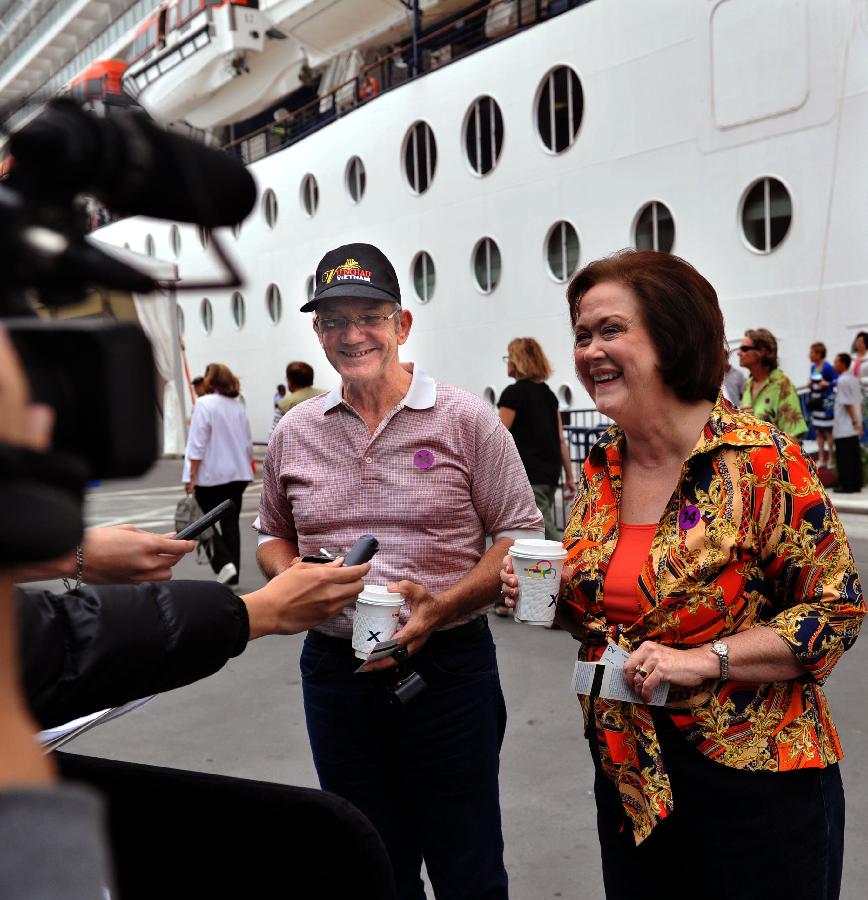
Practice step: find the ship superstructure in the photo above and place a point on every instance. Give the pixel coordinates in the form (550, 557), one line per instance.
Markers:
(729, 132)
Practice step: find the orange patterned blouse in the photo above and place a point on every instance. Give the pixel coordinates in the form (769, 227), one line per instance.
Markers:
(748, 538)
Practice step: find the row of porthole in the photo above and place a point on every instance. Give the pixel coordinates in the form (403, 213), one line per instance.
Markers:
(766, 214)
(654, 230)
(559, 107)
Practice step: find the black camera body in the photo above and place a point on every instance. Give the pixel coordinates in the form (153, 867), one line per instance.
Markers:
(99, 378)
(98, 375)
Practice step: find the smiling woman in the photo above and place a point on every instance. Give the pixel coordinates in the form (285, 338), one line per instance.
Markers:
(687, 549)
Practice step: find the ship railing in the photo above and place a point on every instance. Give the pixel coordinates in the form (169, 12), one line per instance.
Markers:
(464, 33)
(582, 428)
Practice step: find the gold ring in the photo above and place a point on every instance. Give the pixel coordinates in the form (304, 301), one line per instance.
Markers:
(642, 673)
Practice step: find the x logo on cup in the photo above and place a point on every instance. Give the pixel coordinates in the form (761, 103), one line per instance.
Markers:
(374, 636)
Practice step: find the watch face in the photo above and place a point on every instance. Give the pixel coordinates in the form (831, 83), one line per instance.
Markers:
(719, 647)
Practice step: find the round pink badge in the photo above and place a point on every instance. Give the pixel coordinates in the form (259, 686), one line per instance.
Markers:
(423, 459)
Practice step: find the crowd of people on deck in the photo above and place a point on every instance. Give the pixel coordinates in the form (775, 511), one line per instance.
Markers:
(705, 565)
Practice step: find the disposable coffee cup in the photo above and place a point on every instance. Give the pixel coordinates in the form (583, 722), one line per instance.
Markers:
(376, 618)
(538, 565)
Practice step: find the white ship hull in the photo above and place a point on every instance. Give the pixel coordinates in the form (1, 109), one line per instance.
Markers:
(686, 103)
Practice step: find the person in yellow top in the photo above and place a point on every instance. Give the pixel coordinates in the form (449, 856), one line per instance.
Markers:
(768, 393)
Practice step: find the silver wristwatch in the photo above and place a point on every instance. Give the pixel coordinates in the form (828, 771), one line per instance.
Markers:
(721, 650)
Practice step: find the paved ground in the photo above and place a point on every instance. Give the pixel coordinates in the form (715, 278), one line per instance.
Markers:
(247, 720)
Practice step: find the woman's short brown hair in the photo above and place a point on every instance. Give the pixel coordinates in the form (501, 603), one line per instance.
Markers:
(679, 308)
(220, 380)
(528, 359)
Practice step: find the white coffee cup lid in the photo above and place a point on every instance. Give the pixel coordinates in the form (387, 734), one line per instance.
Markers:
(538, 549)
(377, 594)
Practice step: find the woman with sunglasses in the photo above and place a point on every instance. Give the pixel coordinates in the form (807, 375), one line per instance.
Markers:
(769, 394)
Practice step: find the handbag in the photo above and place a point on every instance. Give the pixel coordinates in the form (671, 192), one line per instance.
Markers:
(188, 511)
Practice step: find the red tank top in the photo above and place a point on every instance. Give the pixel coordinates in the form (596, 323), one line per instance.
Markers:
(620, 591)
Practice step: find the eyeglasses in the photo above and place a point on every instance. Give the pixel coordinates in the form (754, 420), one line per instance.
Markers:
(342, 323)
(745, 349)
(505, 359)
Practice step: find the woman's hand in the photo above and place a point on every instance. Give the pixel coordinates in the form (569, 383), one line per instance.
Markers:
(653, 664)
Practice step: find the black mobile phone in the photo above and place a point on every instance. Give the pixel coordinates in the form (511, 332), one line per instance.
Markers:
(316, 559)
(194, 529)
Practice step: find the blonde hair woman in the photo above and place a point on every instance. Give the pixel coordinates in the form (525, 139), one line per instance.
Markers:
(529, 410)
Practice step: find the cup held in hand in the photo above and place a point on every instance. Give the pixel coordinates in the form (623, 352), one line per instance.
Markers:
(376, 618)
(538, 565)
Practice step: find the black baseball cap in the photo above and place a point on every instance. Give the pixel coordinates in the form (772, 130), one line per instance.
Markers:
(354, 271)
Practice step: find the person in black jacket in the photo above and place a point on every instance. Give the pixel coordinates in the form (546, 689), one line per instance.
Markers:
(96, 647)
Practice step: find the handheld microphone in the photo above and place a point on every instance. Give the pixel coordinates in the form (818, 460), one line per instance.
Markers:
(363, 549)
(131, 165)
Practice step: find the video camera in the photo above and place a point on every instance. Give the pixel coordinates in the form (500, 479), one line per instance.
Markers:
(98, 376)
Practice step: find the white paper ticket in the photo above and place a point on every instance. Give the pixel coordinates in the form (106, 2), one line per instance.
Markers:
(607, 680)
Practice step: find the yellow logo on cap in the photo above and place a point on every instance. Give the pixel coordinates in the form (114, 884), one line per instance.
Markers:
(349, 271)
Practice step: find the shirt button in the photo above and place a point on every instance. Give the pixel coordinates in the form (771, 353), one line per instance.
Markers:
(368, 459)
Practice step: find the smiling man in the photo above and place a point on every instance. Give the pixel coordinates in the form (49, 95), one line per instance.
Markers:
(429, 469)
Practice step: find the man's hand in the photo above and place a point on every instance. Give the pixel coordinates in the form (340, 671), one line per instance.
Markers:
(303, 596)
(428, 612)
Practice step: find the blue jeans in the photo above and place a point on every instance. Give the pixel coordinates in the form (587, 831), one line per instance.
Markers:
(733, 835)
(426, 773)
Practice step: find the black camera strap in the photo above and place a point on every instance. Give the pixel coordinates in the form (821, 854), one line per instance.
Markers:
(42, 504)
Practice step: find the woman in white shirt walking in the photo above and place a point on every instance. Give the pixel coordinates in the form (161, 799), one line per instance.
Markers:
(217, 463)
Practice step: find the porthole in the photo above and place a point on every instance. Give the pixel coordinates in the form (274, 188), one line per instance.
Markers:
(204, 235)
(562, 251)
(489, 396)
(655, 228)
(559, 107)
(420, 157)
(309, 287)
(149, 245)
(423, 276)
(565, 396)
(355, 178)
(179, 313)
(175, 239)
(238, 309)
(486, 265)
(483, 135)
(273, 303)
(766, 213)
(206, 314)
(269, 207)
(309, 195)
